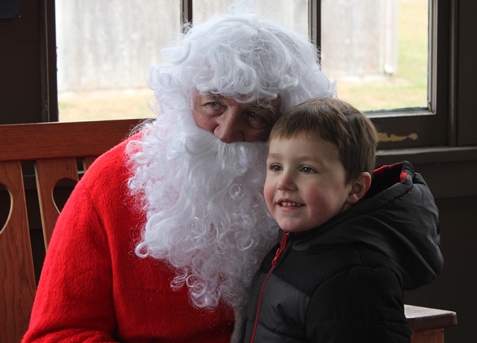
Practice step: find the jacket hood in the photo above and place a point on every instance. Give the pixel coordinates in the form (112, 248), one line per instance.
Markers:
(398, 218)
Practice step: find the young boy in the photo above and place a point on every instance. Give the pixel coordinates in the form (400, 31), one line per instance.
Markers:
(348, 246)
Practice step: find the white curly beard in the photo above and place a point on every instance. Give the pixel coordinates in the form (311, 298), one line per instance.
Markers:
(205, 211)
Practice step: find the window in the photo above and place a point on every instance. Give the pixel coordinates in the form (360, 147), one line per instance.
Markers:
(401, 101)
(377, 51)
(381, 53)
(104, 51)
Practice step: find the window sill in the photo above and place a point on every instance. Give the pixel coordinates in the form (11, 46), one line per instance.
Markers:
(449, 171)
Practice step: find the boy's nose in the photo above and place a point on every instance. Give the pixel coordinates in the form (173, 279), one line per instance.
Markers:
(286, 182)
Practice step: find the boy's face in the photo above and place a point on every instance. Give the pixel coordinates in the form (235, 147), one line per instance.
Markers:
(305, 184)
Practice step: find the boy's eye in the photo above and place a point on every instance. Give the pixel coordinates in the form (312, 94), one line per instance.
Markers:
(307, 170)
(275, 167)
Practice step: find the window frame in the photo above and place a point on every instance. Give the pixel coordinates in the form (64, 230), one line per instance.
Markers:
(397, 126)
(449, 124)
(404, 123)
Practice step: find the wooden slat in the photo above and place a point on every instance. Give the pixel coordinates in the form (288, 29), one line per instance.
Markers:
(58, 140)
(17, 278)
(48, 174)
(87, 161)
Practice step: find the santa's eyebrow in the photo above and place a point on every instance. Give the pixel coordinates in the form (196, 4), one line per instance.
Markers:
(213, 95)
(268, 107)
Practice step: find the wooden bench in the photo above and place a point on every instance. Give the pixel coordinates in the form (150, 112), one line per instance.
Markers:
(58, 151)
(62, 151)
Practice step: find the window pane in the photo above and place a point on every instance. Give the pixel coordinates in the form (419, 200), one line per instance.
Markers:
(105, 49)
(377, 50)
(291, 13)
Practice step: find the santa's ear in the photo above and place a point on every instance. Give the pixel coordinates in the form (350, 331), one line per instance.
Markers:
(359, 187)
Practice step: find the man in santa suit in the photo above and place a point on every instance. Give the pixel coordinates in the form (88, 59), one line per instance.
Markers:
(160, 239)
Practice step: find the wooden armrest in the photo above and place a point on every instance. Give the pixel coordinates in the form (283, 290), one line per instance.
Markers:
(424, 318)
(28, 142)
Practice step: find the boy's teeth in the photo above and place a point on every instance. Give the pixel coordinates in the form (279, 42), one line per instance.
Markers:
(290, 204)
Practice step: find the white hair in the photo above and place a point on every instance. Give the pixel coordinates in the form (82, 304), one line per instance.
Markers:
(241, 56)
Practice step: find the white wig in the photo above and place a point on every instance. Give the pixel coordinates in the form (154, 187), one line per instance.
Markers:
(242, 56)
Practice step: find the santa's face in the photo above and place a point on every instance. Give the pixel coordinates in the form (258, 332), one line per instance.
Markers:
(231, 121)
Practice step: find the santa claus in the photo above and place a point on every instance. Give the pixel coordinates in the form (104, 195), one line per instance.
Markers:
(160, 239)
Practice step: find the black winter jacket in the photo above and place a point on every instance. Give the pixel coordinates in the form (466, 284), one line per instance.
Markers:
(344, 281)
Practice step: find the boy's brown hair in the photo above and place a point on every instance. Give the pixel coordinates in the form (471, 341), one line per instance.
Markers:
(338, 122)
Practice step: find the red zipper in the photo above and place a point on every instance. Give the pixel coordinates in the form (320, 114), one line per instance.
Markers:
(274, 262)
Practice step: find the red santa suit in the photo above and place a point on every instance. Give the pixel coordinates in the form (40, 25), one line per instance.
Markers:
(94, 288)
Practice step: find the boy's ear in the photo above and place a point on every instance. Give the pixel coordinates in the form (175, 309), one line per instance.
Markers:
(359, 187)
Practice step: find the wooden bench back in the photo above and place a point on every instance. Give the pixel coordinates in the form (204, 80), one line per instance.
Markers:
(54, 149)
